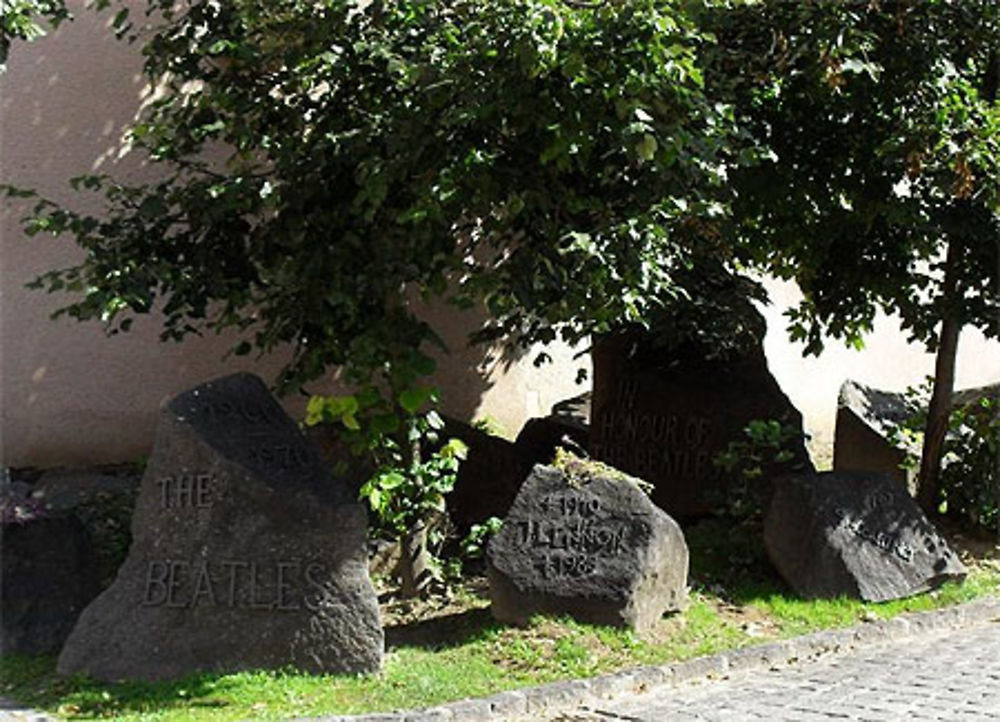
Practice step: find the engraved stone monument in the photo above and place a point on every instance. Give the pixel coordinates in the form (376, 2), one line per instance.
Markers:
(665, 417)
(586, 541)
(246, 553)
(854, 534)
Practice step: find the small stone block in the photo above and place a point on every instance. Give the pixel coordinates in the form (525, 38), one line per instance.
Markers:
(557, 695)
(469, 710)
(508, 703)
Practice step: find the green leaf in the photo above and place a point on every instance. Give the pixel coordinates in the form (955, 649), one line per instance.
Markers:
(413, 398)
(434, 420)
(391, 480)
(646, 148)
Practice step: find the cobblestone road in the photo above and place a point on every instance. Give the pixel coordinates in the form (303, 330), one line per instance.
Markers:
(954, 676)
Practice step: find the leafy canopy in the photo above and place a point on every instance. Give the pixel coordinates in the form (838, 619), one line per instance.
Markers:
(560, 163)
(21, 20)
(885, 132)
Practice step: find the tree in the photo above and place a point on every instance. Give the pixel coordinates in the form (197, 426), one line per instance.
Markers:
(558, 164)
(882, 189)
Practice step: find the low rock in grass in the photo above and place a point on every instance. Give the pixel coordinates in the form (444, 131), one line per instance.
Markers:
(585, 540)
(854, 534)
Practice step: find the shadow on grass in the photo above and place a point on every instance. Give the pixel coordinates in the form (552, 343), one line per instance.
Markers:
(729, 561)
(444, 632)
(32, 681)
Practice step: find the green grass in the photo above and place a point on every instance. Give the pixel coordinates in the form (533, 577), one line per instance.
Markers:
(736, 601)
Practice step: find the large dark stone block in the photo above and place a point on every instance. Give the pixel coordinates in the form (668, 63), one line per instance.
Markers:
(47, 576)
(856, 535)
(246, 553)
(664, 417)
(588, 543)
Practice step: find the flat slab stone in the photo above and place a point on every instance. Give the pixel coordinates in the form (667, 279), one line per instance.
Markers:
(589, 544)
(247, 553)
(856, 535)
(665, 416)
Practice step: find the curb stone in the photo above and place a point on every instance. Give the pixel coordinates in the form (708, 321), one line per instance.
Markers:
(565, 696)
(569, 695)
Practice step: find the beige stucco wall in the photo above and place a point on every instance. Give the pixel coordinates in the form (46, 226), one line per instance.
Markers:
(887, 362)
(71, 395)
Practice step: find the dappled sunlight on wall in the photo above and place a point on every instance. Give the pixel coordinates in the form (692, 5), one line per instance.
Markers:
(70, 394)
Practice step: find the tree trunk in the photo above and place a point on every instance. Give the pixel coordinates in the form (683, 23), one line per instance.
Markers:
(414, 561)
(939, 410)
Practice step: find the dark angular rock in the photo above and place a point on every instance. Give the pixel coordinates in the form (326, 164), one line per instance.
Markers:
(574, 411)
(866, 418)
(488, 479)
(48, 577)
(539, 438)
(246, 553)
(589, 543)
(665, 416)
(854, 534)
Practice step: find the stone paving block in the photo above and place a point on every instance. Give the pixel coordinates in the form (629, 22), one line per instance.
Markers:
(506, 704)
(556, 696)
(700, 668)
(772, 655)
(612, 685)
(470, 710)
(431, 714)
(647, 678)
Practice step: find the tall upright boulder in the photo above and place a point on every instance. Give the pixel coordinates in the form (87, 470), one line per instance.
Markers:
(665, 416)
(246, 553)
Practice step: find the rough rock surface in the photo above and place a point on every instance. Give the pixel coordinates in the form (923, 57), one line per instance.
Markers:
(866, 418)
(665, 416)
(854, 534)
(589, 544)
(246, 553)
(48, 576)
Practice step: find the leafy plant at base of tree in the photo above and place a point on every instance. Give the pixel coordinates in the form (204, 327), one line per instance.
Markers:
(474, 544)
(750, 465)
(970, 477)
(412, 478)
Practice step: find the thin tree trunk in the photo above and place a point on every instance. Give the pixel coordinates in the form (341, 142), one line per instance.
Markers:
(939, 410)
(414, 561)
